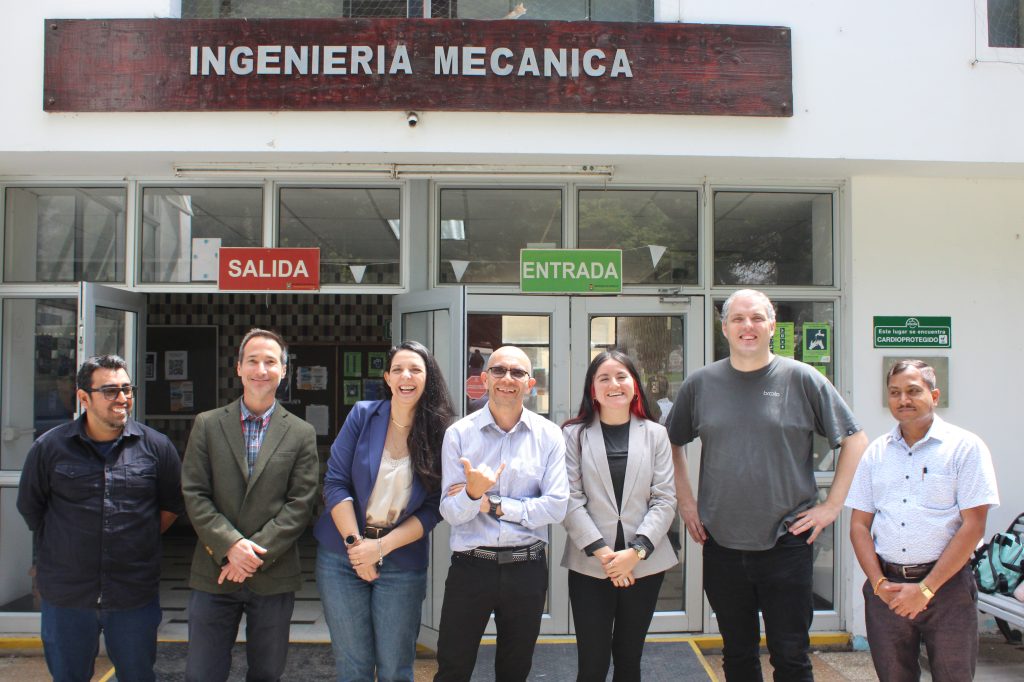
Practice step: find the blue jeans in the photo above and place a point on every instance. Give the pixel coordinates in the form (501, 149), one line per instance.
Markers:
(71, 640)
(373, 625)
(779, 583)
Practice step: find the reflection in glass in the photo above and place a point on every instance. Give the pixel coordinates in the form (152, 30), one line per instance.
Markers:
(64, 234)
(655, 344)
(656, 230)
(483, 231)
(356, 229)
(825, 563)
(173, 218)
(772, 238)
(530, 333)
(39, 372)
(798, 313)
(111, 327)
(563, 10)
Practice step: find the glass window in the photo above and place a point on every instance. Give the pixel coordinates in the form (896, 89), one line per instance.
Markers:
(825, 561)
(482, 231)
(175, 219)
(1006, 23)
(810, 324)
(16, 593)
(656, 230)
(563, 10)
(531, 333)
(303, 9)
(64, 234)
(773, 238)
(356, 229)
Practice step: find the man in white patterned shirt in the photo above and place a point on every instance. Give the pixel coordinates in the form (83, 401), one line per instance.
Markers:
(920, 500)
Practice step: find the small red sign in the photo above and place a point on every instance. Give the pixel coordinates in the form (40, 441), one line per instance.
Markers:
(247, 269)
(475, 387)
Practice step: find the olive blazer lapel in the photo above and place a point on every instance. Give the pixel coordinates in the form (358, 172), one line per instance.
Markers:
(231, 426)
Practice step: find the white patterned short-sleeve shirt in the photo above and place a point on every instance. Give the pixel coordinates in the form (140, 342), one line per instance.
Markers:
(916, 493)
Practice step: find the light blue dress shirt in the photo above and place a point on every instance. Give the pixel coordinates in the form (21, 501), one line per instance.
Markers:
(534, 487)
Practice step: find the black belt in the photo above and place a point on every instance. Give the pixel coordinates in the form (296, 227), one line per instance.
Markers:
(507, 555)
(375, 533)
(905, 571)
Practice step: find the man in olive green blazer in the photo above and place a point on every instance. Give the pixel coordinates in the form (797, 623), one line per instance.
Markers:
(249, 478)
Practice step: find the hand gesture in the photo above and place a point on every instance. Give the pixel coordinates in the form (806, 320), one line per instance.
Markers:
(618, 565)
(363, 555)
(243, 561)
(480, 480)
(906, 599)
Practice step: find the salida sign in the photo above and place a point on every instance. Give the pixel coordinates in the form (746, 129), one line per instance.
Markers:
(247, 269)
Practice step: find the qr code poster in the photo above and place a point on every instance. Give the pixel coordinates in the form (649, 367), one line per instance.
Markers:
(176, 365)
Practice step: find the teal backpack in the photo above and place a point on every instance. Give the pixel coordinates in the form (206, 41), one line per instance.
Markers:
(999, 565)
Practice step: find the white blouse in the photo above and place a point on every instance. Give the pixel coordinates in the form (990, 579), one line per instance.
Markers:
(391, 492)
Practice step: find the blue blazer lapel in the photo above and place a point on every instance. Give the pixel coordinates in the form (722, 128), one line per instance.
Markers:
(378, 432)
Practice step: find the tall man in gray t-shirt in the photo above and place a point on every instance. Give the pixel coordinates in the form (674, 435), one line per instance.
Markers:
(756, 415)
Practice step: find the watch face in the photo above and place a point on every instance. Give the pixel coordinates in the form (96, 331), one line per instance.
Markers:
(494, 499)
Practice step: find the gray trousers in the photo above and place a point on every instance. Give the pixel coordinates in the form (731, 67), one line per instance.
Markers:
(948, 628)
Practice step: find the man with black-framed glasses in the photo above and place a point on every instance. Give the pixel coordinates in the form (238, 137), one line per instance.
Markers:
(97, 493)
(503, 470)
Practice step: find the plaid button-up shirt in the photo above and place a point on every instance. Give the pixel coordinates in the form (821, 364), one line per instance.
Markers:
(254, 428)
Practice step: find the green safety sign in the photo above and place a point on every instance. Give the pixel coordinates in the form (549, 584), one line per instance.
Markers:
(913, 332)
(570, 271)
(782, 340)
(817, 342)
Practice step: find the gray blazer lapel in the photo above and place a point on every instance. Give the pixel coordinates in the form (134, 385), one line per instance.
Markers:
(231, 426)
(276, 431)
(635, 456)
(595, 455)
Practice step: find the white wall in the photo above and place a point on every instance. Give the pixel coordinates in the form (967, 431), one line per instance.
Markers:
(872, 80)
(945, 247)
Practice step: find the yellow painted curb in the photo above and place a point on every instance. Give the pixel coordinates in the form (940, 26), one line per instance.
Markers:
(21, 643)
(703, 661)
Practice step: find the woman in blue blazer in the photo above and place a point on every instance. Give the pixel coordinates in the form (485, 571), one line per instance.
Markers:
(382, 492)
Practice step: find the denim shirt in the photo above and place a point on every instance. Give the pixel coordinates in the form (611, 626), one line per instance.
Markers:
(96, 518)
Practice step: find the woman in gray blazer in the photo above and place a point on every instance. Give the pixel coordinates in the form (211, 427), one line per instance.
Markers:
(621, 504)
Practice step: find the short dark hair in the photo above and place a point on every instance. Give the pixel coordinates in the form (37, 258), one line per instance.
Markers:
(267, 334)
(84, 378)
(901, 366)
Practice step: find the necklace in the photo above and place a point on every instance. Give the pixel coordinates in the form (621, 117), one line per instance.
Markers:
(401, 426)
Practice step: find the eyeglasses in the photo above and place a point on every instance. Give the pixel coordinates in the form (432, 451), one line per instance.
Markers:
(111, 392)
(498, 372)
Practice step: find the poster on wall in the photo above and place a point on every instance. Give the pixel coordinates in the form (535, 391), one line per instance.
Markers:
(182, 396)
(817, 342)
(313, 378)
(319, 417)
(352, 388)
(376, 362)
(150, 367)
(353, 364)
(782, 340)
(373, 389)
(176, 365)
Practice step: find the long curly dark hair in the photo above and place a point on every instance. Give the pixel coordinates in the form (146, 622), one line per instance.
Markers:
(434, 413)
(589, 408)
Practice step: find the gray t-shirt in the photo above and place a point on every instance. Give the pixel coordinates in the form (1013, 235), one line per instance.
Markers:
(757, 435)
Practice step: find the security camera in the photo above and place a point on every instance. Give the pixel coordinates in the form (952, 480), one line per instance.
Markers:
(412, 118)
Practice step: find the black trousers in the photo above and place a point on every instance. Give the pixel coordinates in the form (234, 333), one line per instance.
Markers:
(611, 624)
(778, 582)
(474, 589)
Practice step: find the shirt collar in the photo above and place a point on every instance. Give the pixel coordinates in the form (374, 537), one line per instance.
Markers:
(265, 417)
(937, 430)
(487, 419)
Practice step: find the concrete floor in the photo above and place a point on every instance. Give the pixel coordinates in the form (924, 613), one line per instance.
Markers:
(998, 662)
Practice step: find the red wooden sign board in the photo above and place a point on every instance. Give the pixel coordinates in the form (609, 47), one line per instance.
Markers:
(248, 269)
(416, 64)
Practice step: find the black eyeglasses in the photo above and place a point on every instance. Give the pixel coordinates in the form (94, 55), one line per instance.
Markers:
(498, 372)
(111, 392)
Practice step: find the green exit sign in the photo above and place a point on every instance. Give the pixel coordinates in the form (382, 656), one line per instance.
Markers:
(570, 271)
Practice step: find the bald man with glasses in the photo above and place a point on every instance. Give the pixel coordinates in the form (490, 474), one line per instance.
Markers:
(97, 492)
(504, 470)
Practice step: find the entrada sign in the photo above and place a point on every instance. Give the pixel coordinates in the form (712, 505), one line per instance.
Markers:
(416, 64)
(570, 271)
(257, 269)
(913, 332)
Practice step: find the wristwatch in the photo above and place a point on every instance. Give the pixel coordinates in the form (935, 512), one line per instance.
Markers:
(352, 539)
(640, 550)
(926, 591)
(495, 502)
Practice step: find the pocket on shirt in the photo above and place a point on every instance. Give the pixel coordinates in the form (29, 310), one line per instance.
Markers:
(140, 478)
(938, 491)
(76, 482)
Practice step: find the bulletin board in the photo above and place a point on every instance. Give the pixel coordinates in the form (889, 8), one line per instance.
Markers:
(311, 388)
(180, 371)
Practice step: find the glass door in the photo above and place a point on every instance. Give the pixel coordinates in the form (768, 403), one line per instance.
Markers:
(44, 339)
(665, 339)
(437, 319)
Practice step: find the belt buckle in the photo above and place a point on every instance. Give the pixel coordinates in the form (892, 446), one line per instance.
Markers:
(903, 572)
(506, 556)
